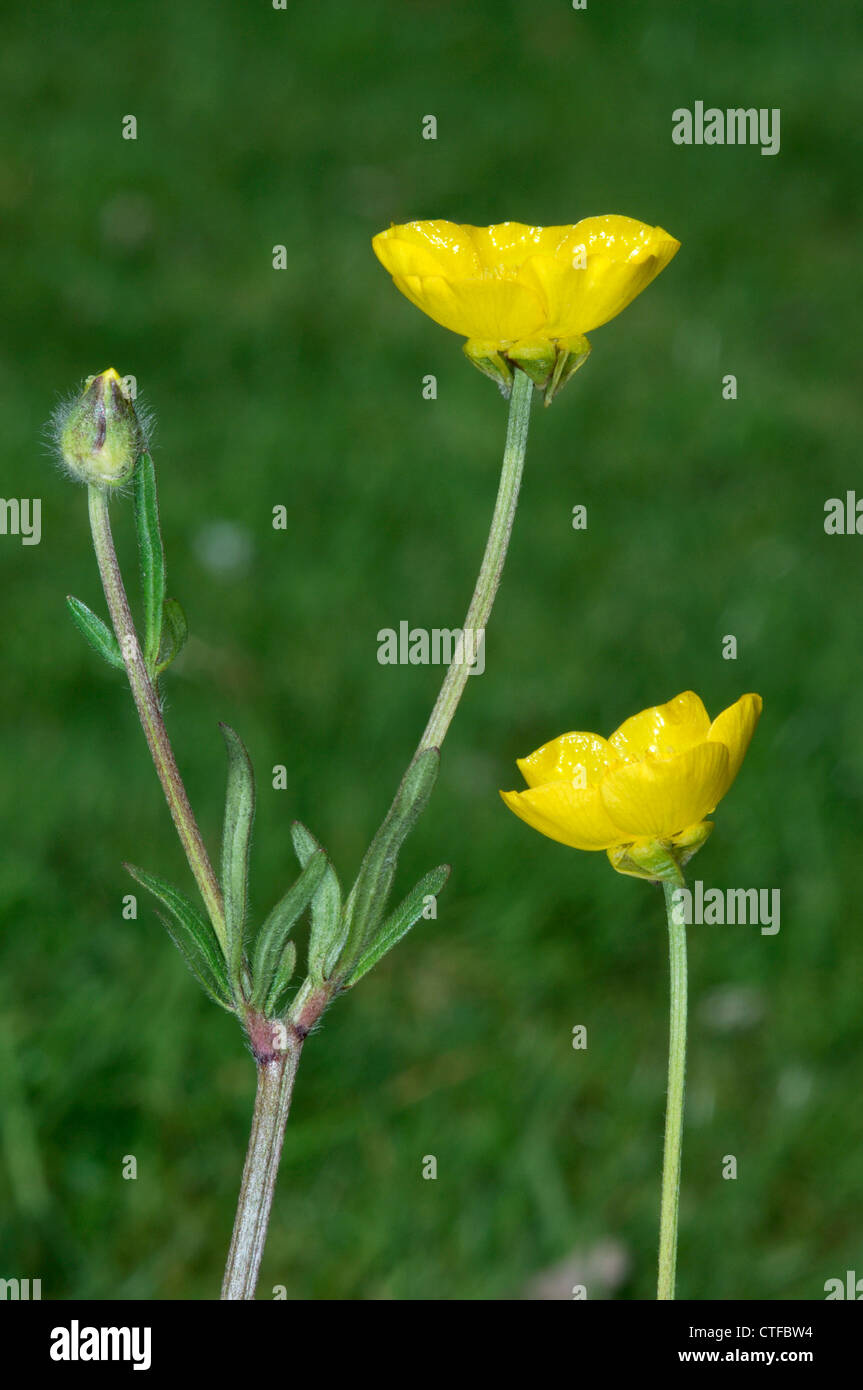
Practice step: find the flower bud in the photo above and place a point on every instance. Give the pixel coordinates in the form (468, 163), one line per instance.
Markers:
(99, 435)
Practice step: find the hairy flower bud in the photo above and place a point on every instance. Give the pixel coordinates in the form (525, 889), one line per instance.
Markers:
(99, 434)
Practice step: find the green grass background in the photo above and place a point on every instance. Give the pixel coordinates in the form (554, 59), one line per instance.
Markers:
(303, 388)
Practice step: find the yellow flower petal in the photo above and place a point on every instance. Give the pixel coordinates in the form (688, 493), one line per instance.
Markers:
(580, 299)
(662, 796)
(734, 728)
(574, 818)
(512, 281)
(621, 238)
(504, 247)
(561, 759)
(447, 244)
(402, 257)
(498, 311)
(590, 272)
(663, 731)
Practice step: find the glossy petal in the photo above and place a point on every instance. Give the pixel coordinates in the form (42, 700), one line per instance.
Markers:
(574, 818)
(579, 298)
(559, 760)
(512, 281)
(503, 248)
(498, 311)
(663, 731)
(446, 243)
(734, 728)
(660, 797)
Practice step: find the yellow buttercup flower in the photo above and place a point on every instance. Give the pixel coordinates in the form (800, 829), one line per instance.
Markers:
(643, 794)
(525, 295)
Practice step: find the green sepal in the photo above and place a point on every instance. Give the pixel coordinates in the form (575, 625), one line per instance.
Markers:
(328, 933)
(236, 838)
(572, 353)
(400, 922)
(175, 632)
(193, 936)
(688, 842)
(97, 633)
(281, 980)
(660, 861)
(487, 359)
(151, 555)
(368, 899)
(536, 359)
(272, 938)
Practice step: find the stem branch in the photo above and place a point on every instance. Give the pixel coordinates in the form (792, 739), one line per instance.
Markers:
(493, 560)
(276, 1077)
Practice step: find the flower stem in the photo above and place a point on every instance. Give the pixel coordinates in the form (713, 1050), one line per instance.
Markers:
(150, 713)
(272, 1105)
(493, 560)
(276, 1078)
(674, 1105)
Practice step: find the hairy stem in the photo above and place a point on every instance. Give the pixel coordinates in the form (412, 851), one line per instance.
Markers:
(272, 1105)
(674, 1104)
(150, 713)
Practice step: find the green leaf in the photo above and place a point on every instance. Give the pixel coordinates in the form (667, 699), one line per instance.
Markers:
(272, 938)
(367, 902)
(236, 837)
(175, 631)
(192, 935)
(281, 980)
(97, 633)
(401, 921)
(152, 557)
(328, 933)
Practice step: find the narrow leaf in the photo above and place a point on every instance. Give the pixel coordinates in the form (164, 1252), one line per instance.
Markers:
(281, 980)
(368, 899)
(401, 921)
(236, 837)
(175, 631)
(205, 980)
(191, 933)
(97, 633)
(152, 557)
(328, 934)
(272, 937)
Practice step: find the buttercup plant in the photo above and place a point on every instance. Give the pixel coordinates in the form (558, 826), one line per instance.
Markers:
(642, 796)
(523, 296)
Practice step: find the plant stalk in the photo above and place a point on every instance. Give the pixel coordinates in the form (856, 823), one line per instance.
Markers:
(674, 1104)
(493, 560)
(150, 713)
(272, 1105)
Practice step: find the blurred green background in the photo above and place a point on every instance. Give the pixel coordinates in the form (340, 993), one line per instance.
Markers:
(259, 127)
